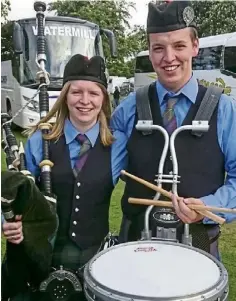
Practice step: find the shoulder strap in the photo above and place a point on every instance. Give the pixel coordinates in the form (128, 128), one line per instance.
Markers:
(208, 105)
(143, 106)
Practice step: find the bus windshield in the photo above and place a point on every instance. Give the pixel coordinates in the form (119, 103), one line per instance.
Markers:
(63, 40)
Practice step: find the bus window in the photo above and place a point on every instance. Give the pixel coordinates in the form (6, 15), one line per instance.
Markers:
(230, 59)
(208, 58)
(143, 64)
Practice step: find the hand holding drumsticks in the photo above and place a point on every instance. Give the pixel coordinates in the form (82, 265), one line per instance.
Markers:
(187, 214)
(201, 209)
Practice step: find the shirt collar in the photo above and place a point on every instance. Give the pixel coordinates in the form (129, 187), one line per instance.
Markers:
(71, 132)
(190, 90)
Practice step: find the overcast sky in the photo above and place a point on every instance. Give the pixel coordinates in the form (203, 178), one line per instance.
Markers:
(24, 9)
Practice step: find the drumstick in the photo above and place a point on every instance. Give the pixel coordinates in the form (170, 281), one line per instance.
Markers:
(165, 193)
(212, 216)
(150, 185)
(158, 203)
(191, 206)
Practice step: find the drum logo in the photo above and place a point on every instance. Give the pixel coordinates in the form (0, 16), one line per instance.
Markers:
(145, 249)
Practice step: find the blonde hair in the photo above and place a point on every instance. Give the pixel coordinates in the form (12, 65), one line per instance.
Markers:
(61, 112)
(193, 35)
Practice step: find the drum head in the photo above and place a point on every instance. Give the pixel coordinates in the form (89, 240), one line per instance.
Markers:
(154, 269)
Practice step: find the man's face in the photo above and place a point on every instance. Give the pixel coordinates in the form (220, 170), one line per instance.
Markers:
(171, 55)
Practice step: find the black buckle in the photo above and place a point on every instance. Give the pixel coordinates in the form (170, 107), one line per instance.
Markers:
(61, 284)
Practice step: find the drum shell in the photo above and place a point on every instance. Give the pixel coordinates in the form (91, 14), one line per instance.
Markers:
(95, 291)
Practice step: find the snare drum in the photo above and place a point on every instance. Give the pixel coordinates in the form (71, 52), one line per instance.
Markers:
(155, 270)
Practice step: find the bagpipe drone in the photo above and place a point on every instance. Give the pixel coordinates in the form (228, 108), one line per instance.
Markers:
(32, 258)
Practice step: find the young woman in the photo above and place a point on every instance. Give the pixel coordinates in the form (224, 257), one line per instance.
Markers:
(87, 160)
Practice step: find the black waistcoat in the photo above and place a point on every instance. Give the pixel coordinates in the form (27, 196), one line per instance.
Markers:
(82, 203)
(200, 160)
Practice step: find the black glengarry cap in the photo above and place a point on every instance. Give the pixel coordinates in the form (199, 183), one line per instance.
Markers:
(80, 67)
(170, 16)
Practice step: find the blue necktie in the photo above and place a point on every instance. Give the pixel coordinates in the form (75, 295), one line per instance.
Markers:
(83, 153)
(169, 118)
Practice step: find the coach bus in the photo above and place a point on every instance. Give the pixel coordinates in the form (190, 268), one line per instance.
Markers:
(65, 36)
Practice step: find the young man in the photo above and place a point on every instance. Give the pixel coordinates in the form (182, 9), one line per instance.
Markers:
(203, 162)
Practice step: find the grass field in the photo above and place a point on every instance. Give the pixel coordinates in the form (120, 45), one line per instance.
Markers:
(227, 240)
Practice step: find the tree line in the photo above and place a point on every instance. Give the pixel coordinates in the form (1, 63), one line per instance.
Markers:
(212, 17)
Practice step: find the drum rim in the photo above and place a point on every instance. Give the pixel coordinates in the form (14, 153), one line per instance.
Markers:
(213, 292)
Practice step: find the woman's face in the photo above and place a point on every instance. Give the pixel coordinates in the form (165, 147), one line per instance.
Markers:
(84, 101)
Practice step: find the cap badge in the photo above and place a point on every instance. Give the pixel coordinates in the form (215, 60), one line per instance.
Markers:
(188, 15)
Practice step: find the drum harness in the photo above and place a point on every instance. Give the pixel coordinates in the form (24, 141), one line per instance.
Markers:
(165, 216)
